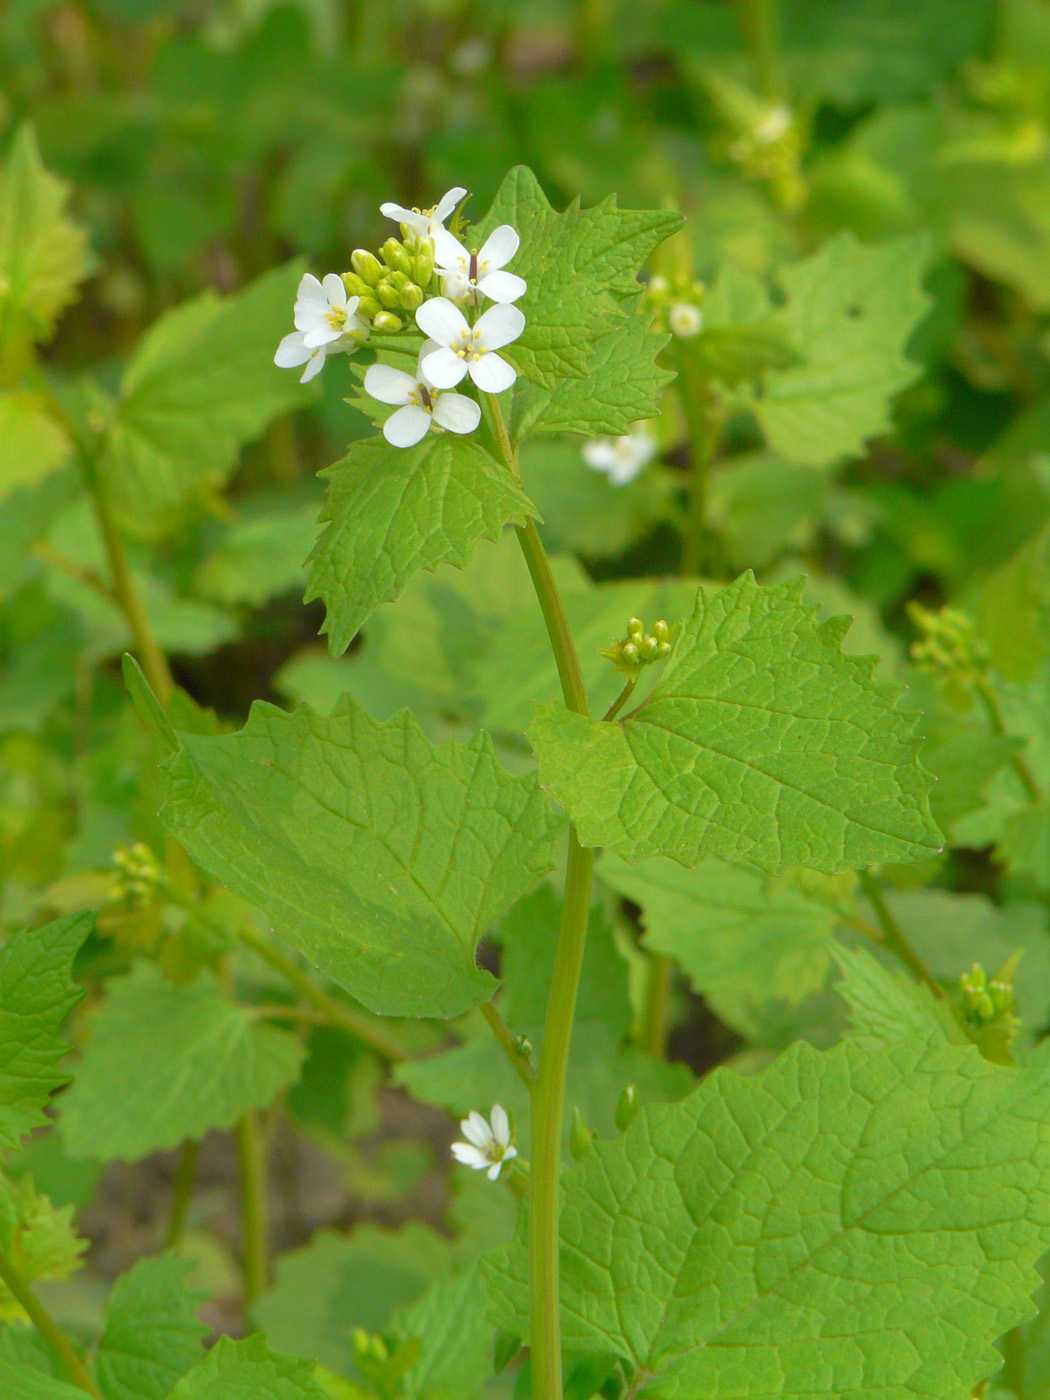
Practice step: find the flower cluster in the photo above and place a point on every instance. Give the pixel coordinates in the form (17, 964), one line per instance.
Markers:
(442, 283)
(622, 458)
(639, 648)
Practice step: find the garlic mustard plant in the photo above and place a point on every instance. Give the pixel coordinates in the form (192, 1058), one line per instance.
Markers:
(326, 324)
(464, 349)
(468, 272)
(423, 407)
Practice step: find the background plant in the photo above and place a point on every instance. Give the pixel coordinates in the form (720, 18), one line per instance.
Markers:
(854, 316)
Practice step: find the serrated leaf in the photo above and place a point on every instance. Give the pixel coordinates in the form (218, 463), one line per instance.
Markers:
(888, 1006)
(743, 938)
(390, 512)
(38, 1238)
(18, 1382)
(249, 1370)
(32, 444)
(760, 742)
(37, 993)
(848, 1223)
(850, 311)
(338, 1282)
(456, 1338)
(151, 1334)
(202, 384)
(381, 857)
(165, 1063)
(43, 254)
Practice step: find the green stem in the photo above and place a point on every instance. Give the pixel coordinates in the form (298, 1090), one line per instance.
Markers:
(359, 1027)
(894, 937)
(655, 1014)
(255, 1219)
(46, 1326)
(182, 1192)
(759, 24)
(621, 700)
(519, 1062)
(704, 421)
(548, 1090)
(998, 726)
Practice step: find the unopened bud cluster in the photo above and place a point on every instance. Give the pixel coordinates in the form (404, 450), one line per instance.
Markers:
(949, 645)
(392, 285)
(677, 303)
(987, 1002)
(769, 145)
(137, 873)
(639, 648)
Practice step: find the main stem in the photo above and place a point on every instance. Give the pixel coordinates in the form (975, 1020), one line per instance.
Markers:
(46, 1325)
(893, 935)
(548, 1091)
(255, 1220)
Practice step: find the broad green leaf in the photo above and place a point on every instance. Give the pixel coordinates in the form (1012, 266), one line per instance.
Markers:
(391, 512)
(43, 254)
(37, 993)
(202, 384)
(18, 1382)
(259, 557)
(40, 1239)
(579, 265)
(887, 1006)
(1030, 1349)
(849, 311)
(743, 938)
(339, 1282)
(456, 1338)
(166, 1062)
(963, 761)
(151, 1335)
(760, 742)
(381, 857)
(1013, 609)
(32, 443)
(780, 1234)
(249, 1370)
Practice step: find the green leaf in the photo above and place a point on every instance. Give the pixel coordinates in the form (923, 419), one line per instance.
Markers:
(151, 1335)
(339, 1282)
(248, 1370)
(32, 443)
(40, 1239)
(37, 993)
(391, 512)
(777, 1235)
(165, 1063)
(456, 1339)
(850, 311)
(888, 1006)
(259, 557)
(43, 255)
(743, 938)
(19, 1382)
(379, 856)
(1013, 610)
(760, 742)
(963, 760)
(202, 384)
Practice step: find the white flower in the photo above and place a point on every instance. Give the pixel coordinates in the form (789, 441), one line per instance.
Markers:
(684, 319)
(424, 223)
(622, 458)
(423, 406)
(464, 349)
(486, 1147)
(478, 269)
(773, 125)
(325, 325)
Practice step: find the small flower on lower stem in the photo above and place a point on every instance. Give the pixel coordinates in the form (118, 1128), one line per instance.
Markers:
(487, 1146)
(685, 320)
(622, 458)
(463, 349)
(325, 324)
(422, 406)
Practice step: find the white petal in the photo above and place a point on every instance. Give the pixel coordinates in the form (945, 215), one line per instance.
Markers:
(500, 1122)
(291, 351)
(499, 326)
(448, 251)
(509, 1153)
(405, 216)
(314, 366)
(407, 426)
(443, 368)
(321, 335)
(502, 286)
(475, 1129)
(308, 315)
(492, 374)
(388, 385)
(455, 286)
(499, 247)
(599, 455)
(458, 414)
(427, 348)
(448, 202)
(334, 290)
(494, 1170)
(469, 1156)
(310, 289)
(443, 321)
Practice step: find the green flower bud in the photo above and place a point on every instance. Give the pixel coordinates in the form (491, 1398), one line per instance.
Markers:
(635, 629)
(661, 631)
(355, 286)
(626, 1108)
(411, 297)
(629, 652)
(366, 265)
(396, 255)
(368, 307)
(423, 262)
(580, 1137)
(663, 650)
(387, 321)
(387, 294)
(647, 648)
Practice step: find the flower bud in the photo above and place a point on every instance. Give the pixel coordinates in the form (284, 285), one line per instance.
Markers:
(629, 652)
(366, 265)
(355, 286)
(368, 307)
(635, 629)
(411, 297)
(661, 631)
(396, 256)
(387, 294)
(626, 1108)
(580, 1137)
(647, 648)
(663, 650)
(386, 321)
(423, 262)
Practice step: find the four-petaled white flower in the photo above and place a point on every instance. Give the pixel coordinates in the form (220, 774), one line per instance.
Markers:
(622, 458)
(466, 270)
(486, 1148)
(424, 223)
(464, 349)
(325, 324)
(422, 405)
